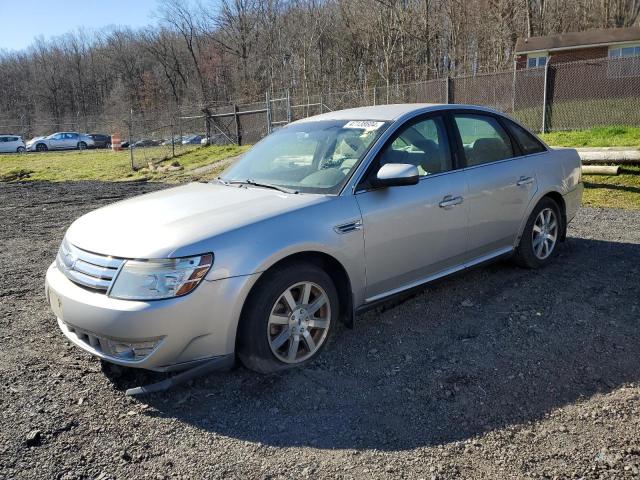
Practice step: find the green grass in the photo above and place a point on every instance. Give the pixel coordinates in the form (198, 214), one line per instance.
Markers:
(615, 136)
(608, 191)
(105, 165)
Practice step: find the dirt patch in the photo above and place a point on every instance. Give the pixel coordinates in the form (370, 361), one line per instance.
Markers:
(497, 373)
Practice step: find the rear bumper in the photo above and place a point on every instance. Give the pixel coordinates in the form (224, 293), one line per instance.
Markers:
(572, 201)
(177, 332)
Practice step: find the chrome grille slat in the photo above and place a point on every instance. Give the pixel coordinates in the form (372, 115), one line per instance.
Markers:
(86, 268)
(95, 271)
(87, 281)
(93, 258)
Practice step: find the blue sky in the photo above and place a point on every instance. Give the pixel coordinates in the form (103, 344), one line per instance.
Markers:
(24, 20)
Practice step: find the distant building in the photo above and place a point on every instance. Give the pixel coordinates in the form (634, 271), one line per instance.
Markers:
(535, 52)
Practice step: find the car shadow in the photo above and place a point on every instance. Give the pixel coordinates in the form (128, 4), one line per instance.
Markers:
(492, 348)
(624, 188)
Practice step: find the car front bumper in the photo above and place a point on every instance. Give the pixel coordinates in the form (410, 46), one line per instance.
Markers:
(174, 333)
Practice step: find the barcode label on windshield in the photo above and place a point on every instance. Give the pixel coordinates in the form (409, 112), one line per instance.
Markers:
(365, 124)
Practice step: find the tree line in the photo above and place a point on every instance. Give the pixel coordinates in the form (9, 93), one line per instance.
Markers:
(196, 55)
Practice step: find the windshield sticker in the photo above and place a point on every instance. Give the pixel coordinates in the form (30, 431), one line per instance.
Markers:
(367, 125)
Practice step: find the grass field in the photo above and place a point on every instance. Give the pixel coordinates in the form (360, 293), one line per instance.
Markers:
(620, 191)
(615, 136)
(106, 165)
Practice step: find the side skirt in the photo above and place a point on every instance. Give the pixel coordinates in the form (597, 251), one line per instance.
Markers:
(418, 285)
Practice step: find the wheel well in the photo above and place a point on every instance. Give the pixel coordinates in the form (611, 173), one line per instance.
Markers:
(556, 197)
(333, 268)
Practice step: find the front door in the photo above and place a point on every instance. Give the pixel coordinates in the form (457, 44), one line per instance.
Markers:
(56, 142)
(414, 232)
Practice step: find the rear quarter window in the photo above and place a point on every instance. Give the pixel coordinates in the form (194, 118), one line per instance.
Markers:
(528, 142)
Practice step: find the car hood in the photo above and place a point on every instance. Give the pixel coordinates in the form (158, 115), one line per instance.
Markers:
(166, 223)
(35, 139)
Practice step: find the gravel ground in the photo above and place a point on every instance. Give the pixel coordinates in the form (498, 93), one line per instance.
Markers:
(497, 373)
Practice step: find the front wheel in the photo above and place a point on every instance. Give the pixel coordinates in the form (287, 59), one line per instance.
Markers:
(21, 150)
(539, 241)
(41, 147)
(82, 145)
(288, 318)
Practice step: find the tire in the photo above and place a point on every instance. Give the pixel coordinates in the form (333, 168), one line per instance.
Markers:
(82, 146)
(41, 147)
(270, 329)
(539, 242)
(21, 150)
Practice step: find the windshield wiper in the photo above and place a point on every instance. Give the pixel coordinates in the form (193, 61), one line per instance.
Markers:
(249, 181)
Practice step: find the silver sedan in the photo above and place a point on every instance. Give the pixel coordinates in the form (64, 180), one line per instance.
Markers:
(319, 221)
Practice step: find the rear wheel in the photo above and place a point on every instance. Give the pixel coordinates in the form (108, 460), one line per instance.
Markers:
(539, 241)
(288, 318)
(82, 145)
(21, 150)
(41, 147)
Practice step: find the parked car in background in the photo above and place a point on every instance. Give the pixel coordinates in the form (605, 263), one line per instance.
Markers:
(177, 140)
(174, 278)
(11, 144)
(215, 140)
(192, 140)
(60, 141)
(147, 143)
(100, 140)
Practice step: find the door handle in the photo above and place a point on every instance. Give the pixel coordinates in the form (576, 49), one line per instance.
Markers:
(525, 181)
(450, 201)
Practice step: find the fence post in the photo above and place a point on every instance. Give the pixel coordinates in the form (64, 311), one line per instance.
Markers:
(236, 118)
(173, 141)
(268, 101)
(375, 92)
(544, 98)
(288, 107)
(133, 166)
(207, 124)
(449, 90)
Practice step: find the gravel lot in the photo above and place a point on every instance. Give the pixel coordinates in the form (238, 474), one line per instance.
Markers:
(497, 373)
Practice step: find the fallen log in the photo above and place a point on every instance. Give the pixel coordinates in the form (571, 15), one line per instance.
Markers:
(600, 169)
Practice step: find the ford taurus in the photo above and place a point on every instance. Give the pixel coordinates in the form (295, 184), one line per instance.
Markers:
(320, 220)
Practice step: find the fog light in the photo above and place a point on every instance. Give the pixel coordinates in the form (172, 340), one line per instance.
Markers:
(133, 350)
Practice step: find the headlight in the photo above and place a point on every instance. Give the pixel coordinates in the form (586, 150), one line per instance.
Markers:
(158, 279)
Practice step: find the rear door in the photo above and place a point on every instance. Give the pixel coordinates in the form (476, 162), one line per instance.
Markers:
(70, 140)
(501, 182)
(4, 144)
(417, 231)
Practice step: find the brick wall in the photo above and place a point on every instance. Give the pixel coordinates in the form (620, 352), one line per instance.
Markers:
(567, 56)
(579, 54)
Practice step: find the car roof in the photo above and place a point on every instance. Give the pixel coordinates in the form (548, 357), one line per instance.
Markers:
(389, 113)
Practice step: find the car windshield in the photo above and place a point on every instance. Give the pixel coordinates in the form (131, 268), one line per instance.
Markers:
(308, 157)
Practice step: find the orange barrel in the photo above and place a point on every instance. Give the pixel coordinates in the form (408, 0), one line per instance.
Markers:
(116, 142)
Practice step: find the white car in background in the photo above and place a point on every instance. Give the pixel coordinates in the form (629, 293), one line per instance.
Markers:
(11, 144)
(60, 141)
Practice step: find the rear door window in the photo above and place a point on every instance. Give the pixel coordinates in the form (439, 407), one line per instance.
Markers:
(483, 138)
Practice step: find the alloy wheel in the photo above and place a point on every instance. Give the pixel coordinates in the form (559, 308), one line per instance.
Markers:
(545, 233)
(299, 322)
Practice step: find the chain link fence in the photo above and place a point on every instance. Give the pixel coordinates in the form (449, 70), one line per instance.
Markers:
(559, 96)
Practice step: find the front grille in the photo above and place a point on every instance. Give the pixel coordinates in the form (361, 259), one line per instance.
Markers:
(88, 269)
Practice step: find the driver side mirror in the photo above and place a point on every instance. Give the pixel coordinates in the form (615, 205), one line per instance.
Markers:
(396, 175)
